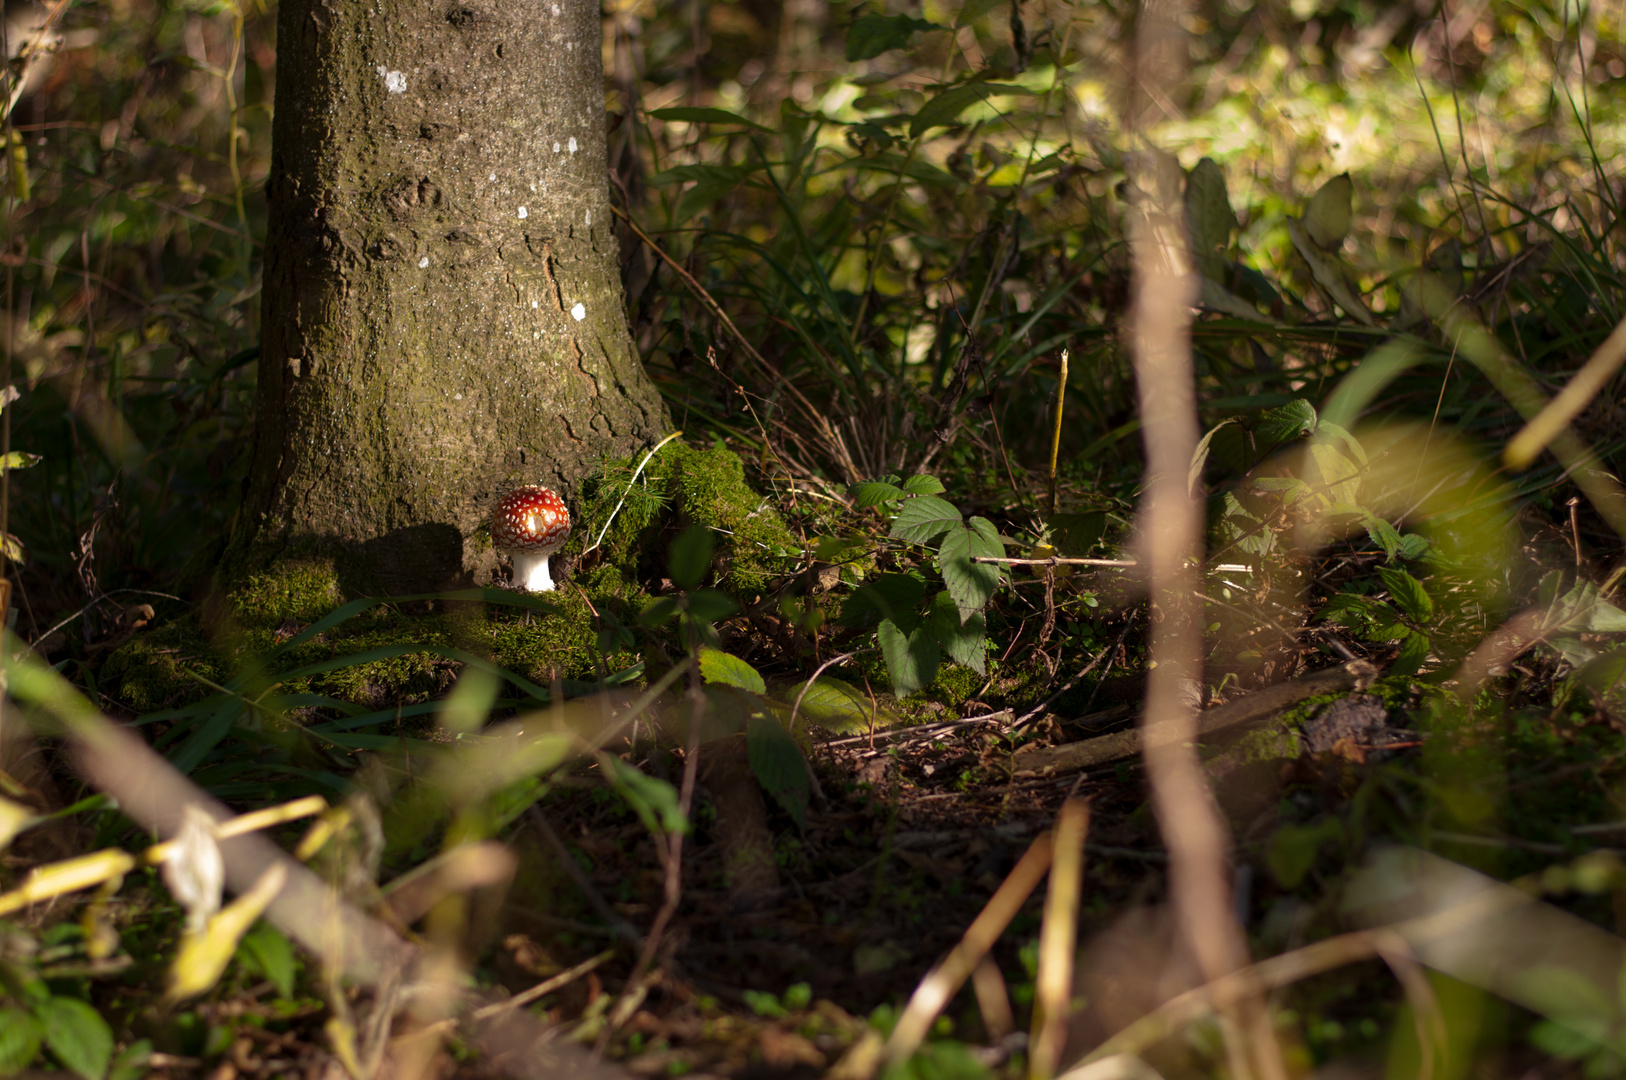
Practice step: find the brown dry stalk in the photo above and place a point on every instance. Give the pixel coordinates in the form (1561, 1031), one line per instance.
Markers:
(1171, 531)
(944, 980)
(1058, 942)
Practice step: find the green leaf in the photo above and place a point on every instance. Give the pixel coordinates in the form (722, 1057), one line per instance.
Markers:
(1293, 849)
(1210, 218)
(19, 1040)
(18, 460)
(652, 799)
(1286, 422)
(1384, 535)
(966, 642)
(911, 659)
(720, 667)
(658, 611)
(971, 584)
(1413, 651)
(946, 107)
(923, 519)
(709, 605)
(1199, 457)
(1328, 273)
(265, 952)
(922, 484)
(873, 493)
(1337, 474)
(690, 557)
(1329, 212)
(832, 703)
(1408, 594)
(703, 115)
(974, 10)
(76, 1035)
(891, 596)
(779, 765)
(132, 1061)
(871, 35)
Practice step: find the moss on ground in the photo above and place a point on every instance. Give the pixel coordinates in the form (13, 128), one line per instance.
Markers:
(560, 636)
(148, 673)
(680, 487)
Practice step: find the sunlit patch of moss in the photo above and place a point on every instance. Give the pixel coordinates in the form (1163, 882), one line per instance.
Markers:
(682, 486)
(300, 590)
(148, 673)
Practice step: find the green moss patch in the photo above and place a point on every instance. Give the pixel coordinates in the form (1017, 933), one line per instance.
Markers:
(680, 487)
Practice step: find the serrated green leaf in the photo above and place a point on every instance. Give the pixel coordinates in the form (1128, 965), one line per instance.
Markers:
(1338, 475)
(266, 952)
(689, 557)
(974, 10)
(1408, 594)
(722, 668)
(1384, 535)
(1413, 653)
(834, 704)
(19, 1040)
(76, 1035)
(966, 642)
(923, 519)
(1328, 213)
(970, 584)
(923, 484)
(1413, 546)
(1286, 422)
(654, 800)
(869, 493)
(1209, 218)
(779, 765)
(890, 596)
(871, 35)
(911, 658)
(1327, 431)
(699, 114)
(658, 611)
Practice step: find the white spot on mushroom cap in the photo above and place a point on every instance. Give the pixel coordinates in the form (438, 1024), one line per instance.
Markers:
(579, 312)
(533, 303)
(493, 176)
(523, 214)
(423, 262)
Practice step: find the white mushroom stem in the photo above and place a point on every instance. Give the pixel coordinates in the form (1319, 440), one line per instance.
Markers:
(531, 571)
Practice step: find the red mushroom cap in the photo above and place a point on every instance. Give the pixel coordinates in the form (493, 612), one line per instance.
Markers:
(529, 520)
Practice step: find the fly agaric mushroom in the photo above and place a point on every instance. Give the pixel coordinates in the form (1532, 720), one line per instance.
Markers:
(528, 525)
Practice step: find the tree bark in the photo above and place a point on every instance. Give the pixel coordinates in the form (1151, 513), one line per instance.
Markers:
(443, 308)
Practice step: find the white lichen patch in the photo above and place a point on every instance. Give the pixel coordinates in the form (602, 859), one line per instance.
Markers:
(579, 312)
(534, 303)
(556, 146)
(573, 144)
(589, 217)
(523, 213)
(423, 262)
(394, 81)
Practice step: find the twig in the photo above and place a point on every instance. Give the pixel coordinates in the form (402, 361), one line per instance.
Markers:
(542, 989)
(139, 592)
(1047, 702)
(1055, 437)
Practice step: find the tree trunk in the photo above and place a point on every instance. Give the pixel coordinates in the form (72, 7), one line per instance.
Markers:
(443, 309)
